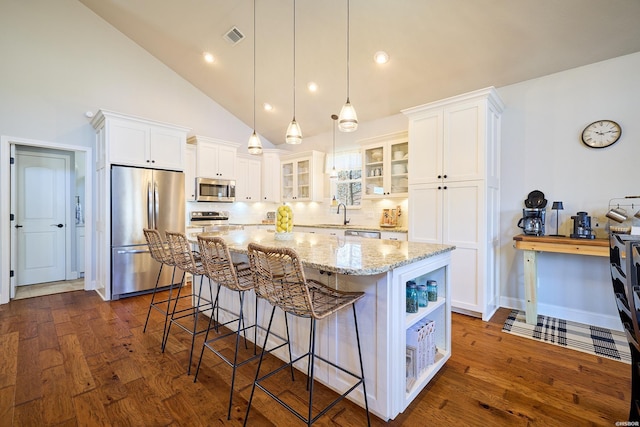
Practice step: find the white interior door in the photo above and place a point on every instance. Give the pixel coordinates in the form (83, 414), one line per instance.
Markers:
(42, 194)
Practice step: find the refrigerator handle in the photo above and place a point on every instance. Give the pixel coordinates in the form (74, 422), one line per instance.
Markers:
(156, 201)
(150, 222)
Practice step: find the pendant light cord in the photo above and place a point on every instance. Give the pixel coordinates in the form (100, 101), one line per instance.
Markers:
(333, 119)
(294, 59)
(254, 66)
(348, 40)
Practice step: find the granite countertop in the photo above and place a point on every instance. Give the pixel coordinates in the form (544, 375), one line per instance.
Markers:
(337, 254)
(345, 227)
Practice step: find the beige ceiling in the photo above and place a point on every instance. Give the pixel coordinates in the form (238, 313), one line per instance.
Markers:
(438, 48)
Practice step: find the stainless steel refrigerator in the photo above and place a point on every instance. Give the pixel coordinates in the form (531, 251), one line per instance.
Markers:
(142, 198)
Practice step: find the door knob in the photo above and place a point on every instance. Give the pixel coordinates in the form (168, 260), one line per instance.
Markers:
(57, 225)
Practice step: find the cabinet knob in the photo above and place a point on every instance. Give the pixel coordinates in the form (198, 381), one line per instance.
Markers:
(439, 176)
(439, 187)
(445, 187)
(444, 176)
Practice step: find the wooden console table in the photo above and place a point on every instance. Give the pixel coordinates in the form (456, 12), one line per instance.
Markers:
(531, 245)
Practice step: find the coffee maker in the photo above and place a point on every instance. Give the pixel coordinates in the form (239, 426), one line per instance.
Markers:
(582, 226)
(532, 221)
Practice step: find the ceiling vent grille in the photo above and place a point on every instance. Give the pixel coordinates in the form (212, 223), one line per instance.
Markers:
(234, 36)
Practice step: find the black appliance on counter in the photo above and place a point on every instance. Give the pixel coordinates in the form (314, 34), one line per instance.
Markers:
(533, 215)
(582, 226)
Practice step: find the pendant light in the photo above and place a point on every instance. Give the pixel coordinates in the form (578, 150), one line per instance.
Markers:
(334, 172)
(294, 134)
(348, 121)
(254, 146)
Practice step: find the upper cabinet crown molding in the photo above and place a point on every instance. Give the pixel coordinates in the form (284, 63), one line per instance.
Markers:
(489, 94)
(194, 139)
(102, 115)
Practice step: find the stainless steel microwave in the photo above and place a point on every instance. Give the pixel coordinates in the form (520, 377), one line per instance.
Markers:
(215, 190)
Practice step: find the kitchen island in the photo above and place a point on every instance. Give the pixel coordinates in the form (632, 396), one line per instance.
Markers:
(380, 269)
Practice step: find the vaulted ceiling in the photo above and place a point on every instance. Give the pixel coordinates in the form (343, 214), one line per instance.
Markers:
(437, 48)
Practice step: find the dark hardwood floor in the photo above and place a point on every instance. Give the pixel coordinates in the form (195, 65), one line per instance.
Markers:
(73, 360)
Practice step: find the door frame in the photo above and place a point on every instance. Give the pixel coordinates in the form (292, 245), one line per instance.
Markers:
(66, 157)
(5, 209)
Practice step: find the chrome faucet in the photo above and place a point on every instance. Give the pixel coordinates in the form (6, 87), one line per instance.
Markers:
(344, 210)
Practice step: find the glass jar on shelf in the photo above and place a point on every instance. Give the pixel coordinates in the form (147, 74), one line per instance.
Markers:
(423, 295)
(432, 290)
(412, 297)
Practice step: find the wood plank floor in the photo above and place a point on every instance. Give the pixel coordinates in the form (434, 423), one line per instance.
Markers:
(73, 360)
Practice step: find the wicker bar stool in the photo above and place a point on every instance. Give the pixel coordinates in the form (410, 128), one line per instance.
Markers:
(188, 261)
(161, 253)
(220, 268)
(279, 278)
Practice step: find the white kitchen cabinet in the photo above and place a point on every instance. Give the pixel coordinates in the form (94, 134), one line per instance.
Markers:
(215, 158)
(190, 173)
(248, 179)
(133, 141)
(454, 185)
(302, 177)
(271, 175)
(385, 166)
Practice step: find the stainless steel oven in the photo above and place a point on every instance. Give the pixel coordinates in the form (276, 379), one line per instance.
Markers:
(212, 221)
(215, 190)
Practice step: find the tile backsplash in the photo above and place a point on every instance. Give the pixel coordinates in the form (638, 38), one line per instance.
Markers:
(368, 214)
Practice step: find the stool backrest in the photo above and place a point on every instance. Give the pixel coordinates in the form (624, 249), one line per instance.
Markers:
(620, 248)
(279, 278)
(633, 286)
(181, 252)
(157, 247)
(219, 266)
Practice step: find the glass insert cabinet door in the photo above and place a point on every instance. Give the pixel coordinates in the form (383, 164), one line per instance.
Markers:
(386, 169)
(296, 180)
(287, 181)
(374, 170)
(399, 173)
(303, 180)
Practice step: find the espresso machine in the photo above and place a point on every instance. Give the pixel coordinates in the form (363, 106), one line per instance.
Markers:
(533, 215)
(582, 226)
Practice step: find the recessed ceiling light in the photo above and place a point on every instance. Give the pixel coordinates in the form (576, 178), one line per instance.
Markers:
(381, 57)
(267, 106)
(208, 57)
(312, 86)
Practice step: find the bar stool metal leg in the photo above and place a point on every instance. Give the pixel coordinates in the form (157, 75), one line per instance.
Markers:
(255, 382)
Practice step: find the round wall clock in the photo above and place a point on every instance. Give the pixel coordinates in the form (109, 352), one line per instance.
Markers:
(601, 133)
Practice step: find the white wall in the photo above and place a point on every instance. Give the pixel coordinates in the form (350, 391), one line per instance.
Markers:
(542, 150)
